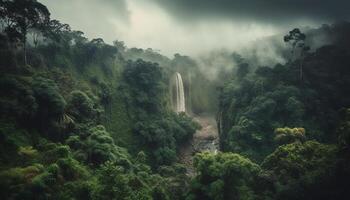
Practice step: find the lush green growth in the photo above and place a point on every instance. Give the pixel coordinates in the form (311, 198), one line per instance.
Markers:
(309, 91)
(301, 169)
(254, 105)
(308, 170)
(289, 135)
(67, 109)
(157, 128)
(224, 176)
(82, 119)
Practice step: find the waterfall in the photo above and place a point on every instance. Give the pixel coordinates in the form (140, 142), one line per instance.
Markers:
(180, 94)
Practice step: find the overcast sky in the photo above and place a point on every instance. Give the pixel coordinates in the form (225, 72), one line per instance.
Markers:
(193, 27)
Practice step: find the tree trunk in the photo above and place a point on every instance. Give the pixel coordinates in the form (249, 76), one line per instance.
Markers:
(35, 39)
(301, 66)
(24, 40)
(25, 50)
(301, 70)
(292, 56)
(25, 54)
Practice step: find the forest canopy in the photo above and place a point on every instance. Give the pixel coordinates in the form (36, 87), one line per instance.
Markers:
(86, 118)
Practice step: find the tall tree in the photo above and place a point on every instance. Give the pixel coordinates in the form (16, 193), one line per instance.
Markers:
(297, 40)
(57, 31)
(20, 16)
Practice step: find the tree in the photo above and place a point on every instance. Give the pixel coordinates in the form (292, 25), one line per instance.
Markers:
(20, 16)
(120, 45)
(81, 106)
(55, 31)
(96, 146)
(51, 104)
(300, 170)
(224, 176)
(289, 135)
(147, 85)
(97, 41)
(344, 131)
(297, 40)
(36, 36)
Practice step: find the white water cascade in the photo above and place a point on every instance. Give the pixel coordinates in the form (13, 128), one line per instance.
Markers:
(180, 94)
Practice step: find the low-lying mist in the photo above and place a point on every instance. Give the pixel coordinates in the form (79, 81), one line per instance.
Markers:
(205, 74)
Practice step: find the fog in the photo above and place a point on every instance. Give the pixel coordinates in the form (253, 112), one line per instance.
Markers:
(189, 27)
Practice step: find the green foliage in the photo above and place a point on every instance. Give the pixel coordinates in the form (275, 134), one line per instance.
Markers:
(51, 103)
(87, 164)
(186, 127)
(46, 174)
(11, 140)
(36, 103)
(120, 182)
(300, 168)
(96, 146)
(289, 135)
(105, 94)
(51, 107)
(224, 176)
(115, 183)
(60, 176)
(344, 131)
(296, 38)
(165, 155)
(20, 16)
(253, 107)
(163, 135)
(12, 180)
(145, 82)
(293, 160)
(159, 130)
(308, 170)
(257, 115)
(81, 107)
(50, 149)
(27, 153)
(17, 100)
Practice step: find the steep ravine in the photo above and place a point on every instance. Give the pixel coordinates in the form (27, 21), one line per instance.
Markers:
(206, 139)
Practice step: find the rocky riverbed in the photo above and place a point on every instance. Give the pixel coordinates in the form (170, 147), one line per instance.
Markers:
(206, 139)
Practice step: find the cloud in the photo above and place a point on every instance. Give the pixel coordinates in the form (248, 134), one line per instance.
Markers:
(96, 18)
(151, 26)
(192, 27)
(271, 11)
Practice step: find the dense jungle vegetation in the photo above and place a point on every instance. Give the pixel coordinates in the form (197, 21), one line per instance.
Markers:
(83, 119)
